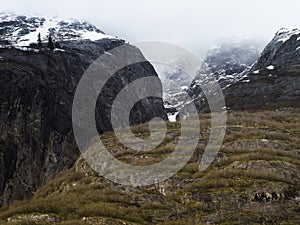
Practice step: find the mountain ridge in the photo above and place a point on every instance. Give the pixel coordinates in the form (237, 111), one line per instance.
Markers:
(271, 83)
(22, 30)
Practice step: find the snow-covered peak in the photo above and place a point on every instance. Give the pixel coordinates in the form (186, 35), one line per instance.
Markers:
(286, 33)
(21, 30)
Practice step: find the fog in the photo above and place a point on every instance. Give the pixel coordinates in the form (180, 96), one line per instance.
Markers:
(194, 24)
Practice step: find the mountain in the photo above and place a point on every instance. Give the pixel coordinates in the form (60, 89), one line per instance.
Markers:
(226, 64)
(254, 178)
(274, 80)
(36, 94)
(229, 61)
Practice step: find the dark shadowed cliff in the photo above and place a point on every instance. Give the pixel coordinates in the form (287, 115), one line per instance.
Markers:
(36, 94)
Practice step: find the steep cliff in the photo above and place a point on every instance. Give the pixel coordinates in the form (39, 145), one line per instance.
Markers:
(36, 95)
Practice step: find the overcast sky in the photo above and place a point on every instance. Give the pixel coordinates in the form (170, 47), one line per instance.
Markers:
(194, 24)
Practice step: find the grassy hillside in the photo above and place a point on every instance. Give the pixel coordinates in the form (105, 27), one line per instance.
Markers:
(255, 179)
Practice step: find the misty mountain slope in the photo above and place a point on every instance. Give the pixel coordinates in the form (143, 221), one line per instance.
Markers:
(228, 61)
(274, 81)
(175, 83)
(254, 180)
(226, 64)
(36, 93)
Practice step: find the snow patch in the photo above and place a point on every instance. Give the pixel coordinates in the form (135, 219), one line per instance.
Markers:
(246, 81)
(184, 88)
(108, 53)
(256, 72)
(172, 117)
(32, 37)
(93, 36)
(5, 46)
(271, 67)
(59, 50)
(26, 49)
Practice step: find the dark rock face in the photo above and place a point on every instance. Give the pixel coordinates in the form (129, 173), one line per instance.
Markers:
(274, 81)
(283, 51)
(36, 94)
(279, 89)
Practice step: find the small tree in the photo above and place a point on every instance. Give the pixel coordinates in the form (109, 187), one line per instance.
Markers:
(39, 41)
(50, 44)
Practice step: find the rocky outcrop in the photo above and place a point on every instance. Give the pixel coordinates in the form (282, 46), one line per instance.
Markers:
(275, 90)
(34, 218)
(282, 52)
(36, 94)
(274, 81)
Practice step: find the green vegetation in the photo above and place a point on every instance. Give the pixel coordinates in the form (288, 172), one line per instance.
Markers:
(255, 179)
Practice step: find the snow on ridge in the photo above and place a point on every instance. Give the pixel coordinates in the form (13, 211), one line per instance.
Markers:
(32, 36)
(246, 81)
(93, 36)
(27, 27)
(172, 117)
(285, 34)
